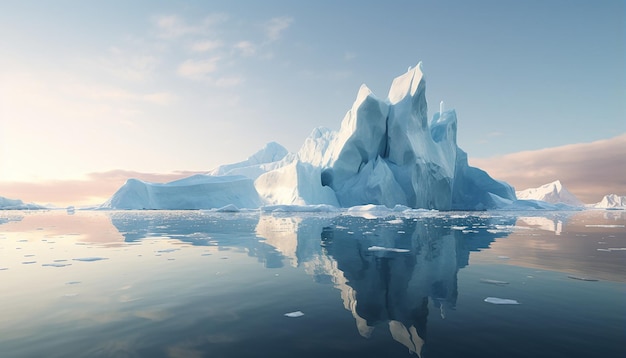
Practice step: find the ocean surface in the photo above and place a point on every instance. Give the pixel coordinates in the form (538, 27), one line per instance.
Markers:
(205, 284)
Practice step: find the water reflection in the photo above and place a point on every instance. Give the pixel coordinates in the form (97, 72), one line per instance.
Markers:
(389, 279)
(381, 288)
(385, 287)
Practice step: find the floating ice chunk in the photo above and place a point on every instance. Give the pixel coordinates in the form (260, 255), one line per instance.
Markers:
(391, 249)
(504, 257)
(501, 301)
(458, 227)
(166, 250)
(90, 259)
(294, 314)
(599, 225)
(395, 221)
(582, 278)
(55, 264)
(493, 282)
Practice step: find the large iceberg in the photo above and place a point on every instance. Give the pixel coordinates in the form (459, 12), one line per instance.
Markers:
(387, 153)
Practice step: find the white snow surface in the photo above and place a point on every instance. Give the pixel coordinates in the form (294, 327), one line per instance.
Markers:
(611, 201)
(554, 193)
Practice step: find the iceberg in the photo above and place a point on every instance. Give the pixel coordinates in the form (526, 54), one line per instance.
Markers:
(611, 201)
(17, 204)
(554, 193)
(387, 153)
(196, 192)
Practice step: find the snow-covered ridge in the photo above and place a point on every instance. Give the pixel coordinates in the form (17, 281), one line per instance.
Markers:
(554, 193)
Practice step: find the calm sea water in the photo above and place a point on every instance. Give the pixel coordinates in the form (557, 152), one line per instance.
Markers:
(197, 284)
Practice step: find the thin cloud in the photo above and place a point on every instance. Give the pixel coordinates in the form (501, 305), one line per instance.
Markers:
(276, 26)
(588, 170)
(205, 45)
(198, 69)
(173, 26)
(245, 48)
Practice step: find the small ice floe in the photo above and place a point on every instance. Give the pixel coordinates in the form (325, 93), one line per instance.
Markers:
(503, 257)
(601, 225)
(55, 264)
(294, 314)
(390, 249)
(493, 282)
(614, 249)
(90, 259)
(501, 301)
(401, 232)
(166, 251)
(394, 221)
(458, 228)
(582, 278)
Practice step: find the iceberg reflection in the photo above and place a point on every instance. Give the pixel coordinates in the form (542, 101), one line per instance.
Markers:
(415, 262)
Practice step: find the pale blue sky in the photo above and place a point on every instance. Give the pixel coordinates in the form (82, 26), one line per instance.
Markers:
(159, 86)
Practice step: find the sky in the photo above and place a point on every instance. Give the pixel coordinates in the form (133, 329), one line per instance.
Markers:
(103, 90)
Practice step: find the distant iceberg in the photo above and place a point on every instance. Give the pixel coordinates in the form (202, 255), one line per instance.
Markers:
(611, 201)
(17, 204)
(554, 193)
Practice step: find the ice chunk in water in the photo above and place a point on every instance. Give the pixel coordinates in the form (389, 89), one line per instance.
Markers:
(55, 265)
(493, 282)
(294, 314)
(391, 249)
(90, 259)
(581, 278)
(501, 301)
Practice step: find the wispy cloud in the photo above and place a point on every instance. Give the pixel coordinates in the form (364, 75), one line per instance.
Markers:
(174, 26)
(589, 170)
(245, 48)
(275, 27)
(198, 69)
(205, 45)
